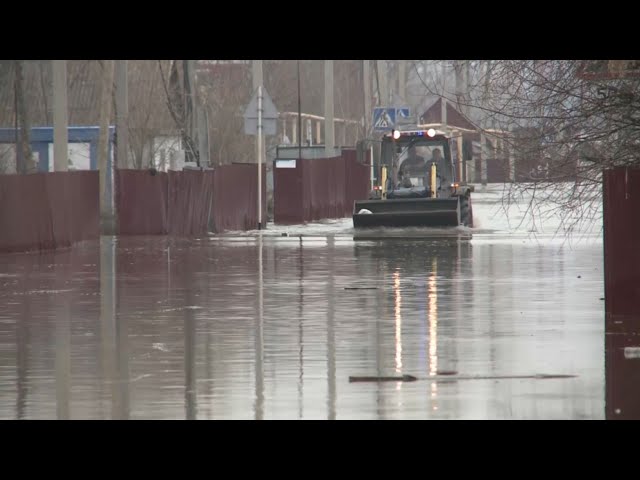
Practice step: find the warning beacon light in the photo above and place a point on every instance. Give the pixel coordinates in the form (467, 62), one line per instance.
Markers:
(431, 132)
(396, 134)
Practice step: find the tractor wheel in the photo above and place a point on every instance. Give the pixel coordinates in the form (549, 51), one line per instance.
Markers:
(466, 214)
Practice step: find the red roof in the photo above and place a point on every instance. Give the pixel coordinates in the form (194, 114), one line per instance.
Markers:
(454, 118)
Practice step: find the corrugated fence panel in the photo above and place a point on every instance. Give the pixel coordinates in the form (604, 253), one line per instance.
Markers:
(235, 198)
(142, 202)
(622, 292)
(45, 211)
(318, 189)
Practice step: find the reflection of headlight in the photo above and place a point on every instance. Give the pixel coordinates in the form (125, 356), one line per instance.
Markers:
(396, 134)
(431, 132)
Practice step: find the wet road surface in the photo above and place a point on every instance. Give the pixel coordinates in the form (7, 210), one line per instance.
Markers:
(272, 328)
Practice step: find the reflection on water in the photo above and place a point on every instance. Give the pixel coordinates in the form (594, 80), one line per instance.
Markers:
(398, 318)
(433, 328)
(331, 341)
(62, 340)
(268, 328)
(190, 389)
(259, 338)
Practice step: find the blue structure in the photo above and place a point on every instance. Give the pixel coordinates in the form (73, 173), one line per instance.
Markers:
(42, 137)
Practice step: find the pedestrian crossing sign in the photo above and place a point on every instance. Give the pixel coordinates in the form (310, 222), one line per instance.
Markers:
(384, 118)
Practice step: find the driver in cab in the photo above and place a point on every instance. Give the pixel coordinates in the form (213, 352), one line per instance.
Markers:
(413, 166)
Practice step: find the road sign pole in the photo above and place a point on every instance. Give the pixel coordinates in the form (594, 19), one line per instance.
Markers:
(260, 119)
(260, 157)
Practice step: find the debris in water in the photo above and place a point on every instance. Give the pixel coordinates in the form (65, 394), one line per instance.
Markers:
(453, 376)
(403, 378)
(160, 346)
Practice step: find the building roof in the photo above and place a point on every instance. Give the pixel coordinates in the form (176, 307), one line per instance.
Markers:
(455, 118)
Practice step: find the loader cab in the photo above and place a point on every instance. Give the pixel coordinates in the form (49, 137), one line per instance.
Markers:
(408, 157)
(429, 196)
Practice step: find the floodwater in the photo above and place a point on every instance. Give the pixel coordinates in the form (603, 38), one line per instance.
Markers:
(266, 326)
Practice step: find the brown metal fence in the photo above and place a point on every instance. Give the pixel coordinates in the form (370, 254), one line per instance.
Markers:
(319, 188)
(189, 202)
(45, 211)
(622, 291)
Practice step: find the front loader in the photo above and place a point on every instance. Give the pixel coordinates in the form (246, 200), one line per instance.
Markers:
(416, 184)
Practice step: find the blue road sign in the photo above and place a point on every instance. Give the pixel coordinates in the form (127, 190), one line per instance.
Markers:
(402, 113)
(384, 118)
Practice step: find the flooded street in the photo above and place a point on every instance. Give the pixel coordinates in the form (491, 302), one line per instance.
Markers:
(174, 329)
(320, 239)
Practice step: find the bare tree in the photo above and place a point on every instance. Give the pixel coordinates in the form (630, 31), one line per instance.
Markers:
(563, 125)
(150, 111)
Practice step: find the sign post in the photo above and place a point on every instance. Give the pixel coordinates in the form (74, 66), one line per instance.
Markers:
(260, 118)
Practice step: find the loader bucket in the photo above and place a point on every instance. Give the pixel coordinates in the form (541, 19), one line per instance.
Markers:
(407, 212)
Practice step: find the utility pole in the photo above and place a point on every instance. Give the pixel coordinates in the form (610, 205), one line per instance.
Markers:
(122, 115)
(190, 120)
(299, 115)
(258, 80)
(460, 87)
(383, 83)
(199, 124)
(60, 118)
(402, 79)
(443, 103)
(461, 102)
(27, 165)
(193, 88)
(193, 110)
(366, 80)
(487, 84)
(106, 98)
(467, 85)
(46, 72)
(203, 135)
(329, 126)
(484, 148)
